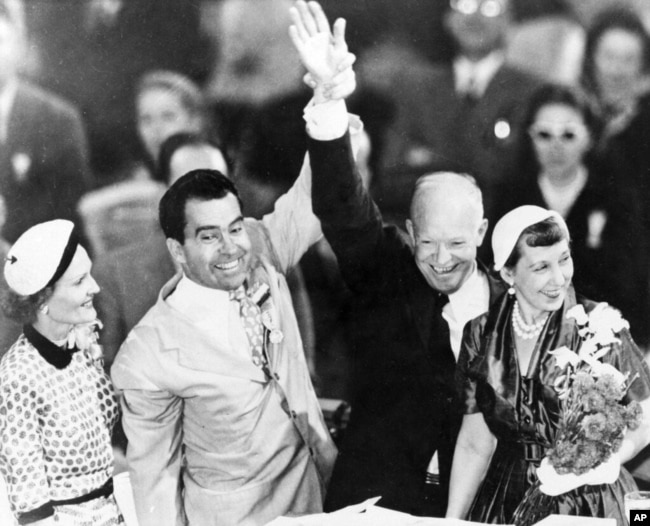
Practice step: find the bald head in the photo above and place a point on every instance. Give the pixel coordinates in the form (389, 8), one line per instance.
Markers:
(446, 189)
(446, 227)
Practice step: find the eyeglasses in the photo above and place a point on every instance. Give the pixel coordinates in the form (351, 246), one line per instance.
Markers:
(488, 8)
(567, 133)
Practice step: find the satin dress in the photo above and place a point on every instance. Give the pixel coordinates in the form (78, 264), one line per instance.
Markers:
(522, 412)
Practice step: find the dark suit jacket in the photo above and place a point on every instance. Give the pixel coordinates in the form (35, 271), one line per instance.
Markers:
(9, 329)
(436, 129)
(44, 163)
(404, 399)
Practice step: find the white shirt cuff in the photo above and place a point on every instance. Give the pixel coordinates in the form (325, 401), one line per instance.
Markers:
(326, 121)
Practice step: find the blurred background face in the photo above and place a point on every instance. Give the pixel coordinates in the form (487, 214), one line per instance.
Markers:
(560, 139)
(618, 65)
(194, 157)
(161, 114)
(478, 26)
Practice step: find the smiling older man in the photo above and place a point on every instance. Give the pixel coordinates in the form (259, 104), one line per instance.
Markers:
(413, 294)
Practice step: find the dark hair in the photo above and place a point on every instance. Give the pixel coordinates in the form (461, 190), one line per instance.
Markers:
(202, 185)
(546, 233)
(617, 17)
(527, 163)
(174, 143)
(23, 309)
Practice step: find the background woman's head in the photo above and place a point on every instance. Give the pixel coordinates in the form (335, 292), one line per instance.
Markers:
(532, 253)
(616, 55)
(48, 277)
(558, 131)
(167, 103)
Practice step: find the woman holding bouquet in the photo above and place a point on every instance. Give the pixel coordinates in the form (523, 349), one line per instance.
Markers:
(57, 405)
(510, 382)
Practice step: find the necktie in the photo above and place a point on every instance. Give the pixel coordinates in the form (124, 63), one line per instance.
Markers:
(439, 343)
(251, 316)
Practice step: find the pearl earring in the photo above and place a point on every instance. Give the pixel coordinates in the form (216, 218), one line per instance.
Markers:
(511, 290)
(44, 309)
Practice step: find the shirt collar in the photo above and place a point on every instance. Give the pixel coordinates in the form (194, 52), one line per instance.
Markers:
(193, 299)
(467, 295)
(59, 357)
(482, 70)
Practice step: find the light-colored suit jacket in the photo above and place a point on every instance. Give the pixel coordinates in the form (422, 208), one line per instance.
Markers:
(210, 440)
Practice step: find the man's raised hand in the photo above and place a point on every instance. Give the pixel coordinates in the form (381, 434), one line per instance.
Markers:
(324, 53)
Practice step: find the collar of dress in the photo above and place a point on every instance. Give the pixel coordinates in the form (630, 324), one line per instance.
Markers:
(51, 353)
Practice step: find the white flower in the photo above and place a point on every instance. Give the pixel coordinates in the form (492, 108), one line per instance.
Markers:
(605, 369)
(578, 314)
(564, 356)
(276, 336)
(604, 318)
(84, 337)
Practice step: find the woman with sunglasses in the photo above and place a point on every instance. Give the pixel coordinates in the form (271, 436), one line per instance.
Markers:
(558, 169)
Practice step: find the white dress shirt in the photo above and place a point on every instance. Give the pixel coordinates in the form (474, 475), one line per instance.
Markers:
(472, 78)
(471, 300)
(212, 311)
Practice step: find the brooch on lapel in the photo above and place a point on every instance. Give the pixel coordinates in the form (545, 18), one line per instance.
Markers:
(21, 162)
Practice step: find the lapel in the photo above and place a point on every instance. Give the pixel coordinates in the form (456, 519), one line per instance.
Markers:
(422, 303)
(186, 342)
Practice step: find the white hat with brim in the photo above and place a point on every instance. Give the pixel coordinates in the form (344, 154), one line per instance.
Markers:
(510, 227)
(40, 256)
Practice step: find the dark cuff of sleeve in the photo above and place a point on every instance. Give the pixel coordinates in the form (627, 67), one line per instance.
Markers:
(40, 513)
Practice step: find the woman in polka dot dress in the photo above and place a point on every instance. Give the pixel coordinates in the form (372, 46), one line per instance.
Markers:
(57, 405)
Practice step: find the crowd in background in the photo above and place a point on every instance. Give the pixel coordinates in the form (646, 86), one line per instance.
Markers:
(127, 75)
(105, 103)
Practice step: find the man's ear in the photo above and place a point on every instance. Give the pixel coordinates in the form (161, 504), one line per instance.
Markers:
(411, 231)
(176, 250)
(482, 229)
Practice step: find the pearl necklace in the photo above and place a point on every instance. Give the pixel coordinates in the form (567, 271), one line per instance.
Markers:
(524, 330)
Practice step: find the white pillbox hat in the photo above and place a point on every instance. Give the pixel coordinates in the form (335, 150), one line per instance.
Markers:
(40, 256)
(510, 226)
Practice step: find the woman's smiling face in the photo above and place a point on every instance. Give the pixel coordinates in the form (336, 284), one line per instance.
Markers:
(541, 277)
(71, 302)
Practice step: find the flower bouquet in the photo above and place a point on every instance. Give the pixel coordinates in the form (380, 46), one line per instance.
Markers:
(592, 420)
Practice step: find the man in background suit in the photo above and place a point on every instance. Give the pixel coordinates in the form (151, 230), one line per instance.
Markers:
(412, 294)
(9, 329)
(43, 148)
(463, 116)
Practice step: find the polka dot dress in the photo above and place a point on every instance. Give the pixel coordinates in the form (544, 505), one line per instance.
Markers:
(55, 434)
